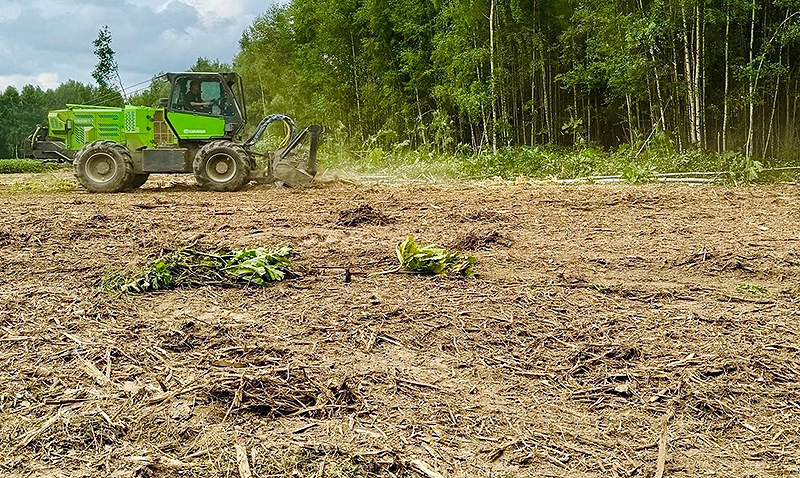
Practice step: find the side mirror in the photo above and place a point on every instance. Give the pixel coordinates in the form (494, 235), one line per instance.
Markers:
(163, 102)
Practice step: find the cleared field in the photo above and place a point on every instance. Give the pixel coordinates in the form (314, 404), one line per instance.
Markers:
(613, 330)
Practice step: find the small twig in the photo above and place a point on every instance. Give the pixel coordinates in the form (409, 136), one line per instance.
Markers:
(241, 461)
(200, 453)
(30, 436)
(17, 338)
(387, 339)
(423, 468)
(75, 339)
(418, 384)
(396, 270)
(733, 298)
(662, 446)
(304, 428)
(95, 373)
(166, 396)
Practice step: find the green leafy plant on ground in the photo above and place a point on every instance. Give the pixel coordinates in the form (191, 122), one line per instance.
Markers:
(186, 268)
(602, 288)
(754, 289)
(638, 173)
(742, 169)
(431, 259)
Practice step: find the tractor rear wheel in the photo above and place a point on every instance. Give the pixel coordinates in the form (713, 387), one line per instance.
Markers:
(222, 166)
(103, 167)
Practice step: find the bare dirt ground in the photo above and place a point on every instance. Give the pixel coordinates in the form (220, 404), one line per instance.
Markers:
(614, 331)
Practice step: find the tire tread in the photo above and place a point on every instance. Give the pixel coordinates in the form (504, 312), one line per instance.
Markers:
(120, 151)
(240, 179)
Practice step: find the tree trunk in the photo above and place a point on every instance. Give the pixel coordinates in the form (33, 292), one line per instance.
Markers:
(355, 84)
(658, 90)
(786, 122)
(630, 119)
(727, 75)
(788, 127)
(419, 119)
(575, 114)
(772, 114)
(546, 102)
(492, 91)
(675, 119)
(699, 77)
(534, 110)
(689, 79)
(748, 145)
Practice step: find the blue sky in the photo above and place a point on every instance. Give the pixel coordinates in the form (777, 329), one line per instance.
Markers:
(47, 42)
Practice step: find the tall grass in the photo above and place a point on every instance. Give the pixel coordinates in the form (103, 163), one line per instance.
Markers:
(10, 166)
(634, 163)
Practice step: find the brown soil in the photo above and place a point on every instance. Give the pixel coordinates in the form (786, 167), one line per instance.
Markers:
(363, 214)
(610, 326)
(480, 240)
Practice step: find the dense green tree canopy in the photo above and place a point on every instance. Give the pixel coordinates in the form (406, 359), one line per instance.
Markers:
(718, 74)
(472, 74)
(20, 111)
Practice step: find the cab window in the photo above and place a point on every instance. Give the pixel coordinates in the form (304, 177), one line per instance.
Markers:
(197, 95)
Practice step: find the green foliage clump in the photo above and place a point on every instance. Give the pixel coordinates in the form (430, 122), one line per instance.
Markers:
(187, 268)
(754, 289)
(106, 65)
(11, 166)
(432, 260)
(260, 266)
(638, 173)
(744, 169)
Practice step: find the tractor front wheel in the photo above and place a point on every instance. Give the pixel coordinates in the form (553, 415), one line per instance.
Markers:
(103, 167)
(221, 166)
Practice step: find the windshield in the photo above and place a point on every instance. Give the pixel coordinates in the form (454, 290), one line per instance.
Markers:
(201, 95)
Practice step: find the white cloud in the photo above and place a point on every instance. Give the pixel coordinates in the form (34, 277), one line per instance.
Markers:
(148, 36)
(211, 9)
(53, 8)
(47, 80)
(10, 12)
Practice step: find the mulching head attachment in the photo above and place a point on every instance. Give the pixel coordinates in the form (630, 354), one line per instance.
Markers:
(294, 162)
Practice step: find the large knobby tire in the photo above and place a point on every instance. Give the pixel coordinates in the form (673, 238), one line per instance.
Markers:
(103, 167)
(136, 181)
(221, 166)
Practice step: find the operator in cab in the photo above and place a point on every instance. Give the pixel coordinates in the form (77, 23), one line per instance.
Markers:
(194, 99)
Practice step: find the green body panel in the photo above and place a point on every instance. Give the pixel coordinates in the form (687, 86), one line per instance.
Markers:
(132, 126)
(139, 127)
(196, 126)
(78, 125)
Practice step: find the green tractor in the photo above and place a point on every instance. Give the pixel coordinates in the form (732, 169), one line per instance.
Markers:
(196, 130)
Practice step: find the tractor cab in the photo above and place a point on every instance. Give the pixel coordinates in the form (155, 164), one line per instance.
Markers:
(203, 106)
